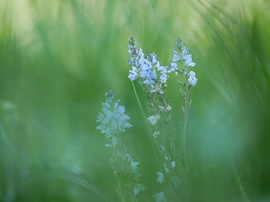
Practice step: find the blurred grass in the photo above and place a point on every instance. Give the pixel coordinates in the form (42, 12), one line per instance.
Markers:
(58, 59)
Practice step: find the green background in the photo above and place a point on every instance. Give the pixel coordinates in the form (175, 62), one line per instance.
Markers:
(58, 58)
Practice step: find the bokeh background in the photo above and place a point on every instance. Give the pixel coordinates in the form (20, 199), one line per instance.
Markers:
(58, 58)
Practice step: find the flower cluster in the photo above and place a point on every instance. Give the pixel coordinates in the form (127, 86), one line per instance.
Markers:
(113, 119)
(149, 71)
(153, 77)
(113, 122)
(185, 60)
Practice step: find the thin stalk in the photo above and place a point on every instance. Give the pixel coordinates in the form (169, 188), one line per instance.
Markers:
(145, 119)
(240, 185)
(186, 109)
(139, 103)
(119, 189)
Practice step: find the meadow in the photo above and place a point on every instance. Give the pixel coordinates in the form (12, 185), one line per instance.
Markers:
(59, 58)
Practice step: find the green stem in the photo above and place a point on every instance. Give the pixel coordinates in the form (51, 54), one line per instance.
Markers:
(146, 124)
(186, 109)
(242, 190)
(144, 116)
(139, 102)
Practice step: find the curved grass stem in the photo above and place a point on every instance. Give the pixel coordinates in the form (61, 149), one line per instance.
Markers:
(145, 121)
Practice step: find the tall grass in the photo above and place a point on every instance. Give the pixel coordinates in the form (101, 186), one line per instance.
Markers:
(58, 58)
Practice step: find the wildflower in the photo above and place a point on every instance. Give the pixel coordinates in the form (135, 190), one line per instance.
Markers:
(160, 197)
(137, 55)
(155, 135)
(113, 119)
(165, 109)
(173, 67)
(173, 164)
(153, 59)
(147, 72)
(192, 80)
(188, 58)
(138, 188)
(163, 77)
(160, 178)
(133, 75)
(153, 119)
(176, 57)
(145, 69)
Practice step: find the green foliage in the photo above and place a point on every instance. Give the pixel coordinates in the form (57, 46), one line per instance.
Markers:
(58, 58)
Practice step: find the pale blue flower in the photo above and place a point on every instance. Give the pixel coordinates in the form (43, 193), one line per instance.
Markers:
(165, 109)
(192, 80)
(131, 48)
(187, 57)
(138, 188)
(173, 164)
(153, 119)
(137, 55)
(173, 67)
(160, 197)
(160, 178)
(147, 73)
(145, 69)
(149, 81)
(112, 119)
(162, 69)
(163, 77)
(133, 75)
(153, 58)
(176, 57)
